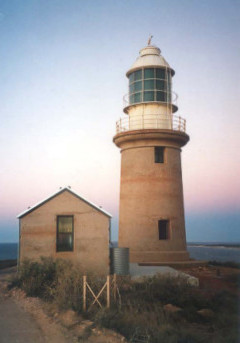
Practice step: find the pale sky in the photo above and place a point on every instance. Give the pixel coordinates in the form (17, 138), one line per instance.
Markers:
(63, 66)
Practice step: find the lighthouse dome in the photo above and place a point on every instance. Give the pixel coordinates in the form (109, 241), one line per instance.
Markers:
(150, 56)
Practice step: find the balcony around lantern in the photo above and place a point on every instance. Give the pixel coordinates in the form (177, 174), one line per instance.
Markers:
(151, 121)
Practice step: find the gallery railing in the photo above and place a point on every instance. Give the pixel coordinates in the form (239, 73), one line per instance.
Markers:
(151, 121)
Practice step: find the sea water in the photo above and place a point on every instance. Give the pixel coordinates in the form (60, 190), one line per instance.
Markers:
(8, 251)
(218, 253)
(221, 253)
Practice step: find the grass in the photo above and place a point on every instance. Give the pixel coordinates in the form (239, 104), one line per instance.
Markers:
(143, 310)
(140, 316)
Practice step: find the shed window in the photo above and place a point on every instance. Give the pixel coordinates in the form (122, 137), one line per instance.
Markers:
(65, 233)
(163, 229)
(159, 154)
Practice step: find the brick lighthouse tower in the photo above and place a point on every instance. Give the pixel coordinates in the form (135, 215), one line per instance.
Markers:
(150, 137)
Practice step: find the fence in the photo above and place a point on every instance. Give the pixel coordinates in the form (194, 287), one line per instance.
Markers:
(108, 291)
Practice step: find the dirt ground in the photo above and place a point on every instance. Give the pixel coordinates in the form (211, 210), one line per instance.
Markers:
(216, 278)
(27, 320)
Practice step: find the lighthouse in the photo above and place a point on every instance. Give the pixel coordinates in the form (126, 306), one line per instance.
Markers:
(150, 138)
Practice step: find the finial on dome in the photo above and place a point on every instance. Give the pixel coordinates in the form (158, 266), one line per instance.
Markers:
(149, 39)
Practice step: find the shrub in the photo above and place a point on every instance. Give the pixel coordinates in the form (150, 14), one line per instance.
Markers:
(55, 280)
(164, 290)
(36, 277)
(68, 286)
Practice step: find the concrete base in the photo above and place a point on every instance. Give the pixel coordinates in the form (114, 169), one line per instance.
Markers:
(139, 273)
(158, 256)
(175, 264)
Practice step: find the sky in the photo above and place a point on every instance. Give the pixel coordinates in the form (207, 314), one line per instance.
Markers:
(63, 66)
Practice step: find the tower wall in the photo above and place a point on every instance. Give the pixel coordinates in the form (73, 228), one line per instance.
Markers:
(151, 192)
(151, 219)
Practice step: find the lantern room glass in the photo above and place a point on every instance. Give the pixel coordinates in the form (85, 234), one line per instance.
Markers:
(150, 85)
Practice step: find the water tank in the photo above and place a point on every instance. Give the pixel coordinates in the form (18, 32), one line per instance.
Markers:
(119, 258)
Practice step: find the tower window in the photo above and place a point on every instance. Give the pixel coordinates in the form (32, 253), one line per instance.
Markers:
(163, 229)
(159, 154)
(64, 233)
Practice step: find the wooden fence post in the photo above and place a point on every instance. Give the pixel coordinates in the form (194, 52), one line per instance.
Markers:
(114, 287)
(84, 293)
(107, 285)
(108, 291)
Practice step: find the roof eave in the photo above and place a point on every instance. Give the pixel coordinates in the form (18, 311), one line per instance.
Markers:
(39, 204)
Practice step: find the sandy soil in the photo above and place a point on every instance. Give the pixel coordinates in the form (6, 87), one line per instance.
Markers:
(26, 320)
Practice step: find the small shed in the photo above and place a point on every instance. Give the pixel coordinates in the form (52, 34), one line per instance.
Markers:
(67, 226)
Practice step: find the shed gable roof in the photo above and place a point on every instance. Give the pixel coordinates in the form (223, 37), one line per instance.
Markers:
(65, 189)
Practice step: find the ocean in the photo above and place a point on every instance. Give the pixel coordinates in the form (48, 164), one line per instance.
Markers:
(201, 251)
(8, 251)
(220, 253)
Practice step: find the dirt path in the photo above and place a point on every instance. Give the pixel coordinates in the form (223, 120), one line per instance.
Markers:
(22, 320)
(16, 325)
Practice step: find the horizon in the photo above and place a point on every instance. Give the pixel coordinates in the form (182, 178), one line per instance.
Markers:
(63, 79)
(188, 242)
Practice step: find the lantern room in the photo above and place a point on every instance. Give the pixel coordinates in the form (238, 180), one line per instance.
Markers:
(150, 81)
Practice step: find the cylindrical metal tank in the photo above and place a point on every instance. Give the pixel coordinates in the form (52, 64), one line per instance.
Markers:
(119, 258)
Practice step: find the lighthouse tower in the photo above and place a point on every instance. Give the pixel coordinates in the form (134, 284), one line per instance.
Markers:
(151, 219)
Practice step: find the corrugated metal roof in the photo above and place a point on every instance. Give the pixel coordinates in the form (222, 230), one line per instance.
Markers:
(22, 214)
